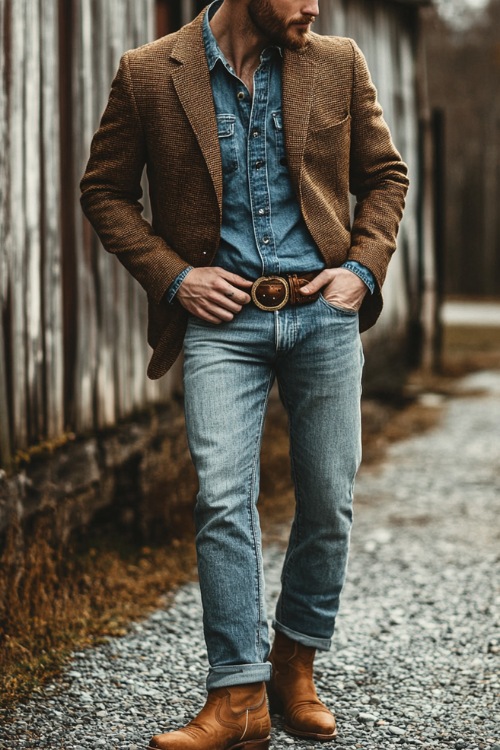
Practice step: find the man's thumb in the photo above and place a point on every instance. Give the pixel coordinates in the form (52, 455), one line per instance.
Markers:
(316, 284)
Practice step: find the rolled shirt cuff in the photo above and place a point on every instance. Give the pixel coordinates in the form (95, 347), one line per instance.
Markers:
(362, 272)
(174, 286)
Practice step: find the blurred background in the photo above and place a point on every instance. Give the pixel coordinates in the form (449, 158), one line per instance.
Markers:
(96, 486)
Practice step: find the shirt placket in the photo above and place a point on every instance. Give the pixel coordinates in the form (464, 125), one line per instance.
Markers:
(257, 166)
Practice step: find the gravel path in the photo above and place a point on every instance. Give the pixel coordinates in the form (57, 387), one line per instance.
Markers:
(416, 655)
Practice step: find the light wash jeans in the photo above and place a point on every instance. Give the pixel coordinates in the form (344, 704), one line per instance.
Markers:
(314, 351)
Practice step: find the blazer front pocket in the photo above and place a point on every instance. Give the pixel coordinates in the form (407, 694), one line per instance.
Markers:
(327, 149)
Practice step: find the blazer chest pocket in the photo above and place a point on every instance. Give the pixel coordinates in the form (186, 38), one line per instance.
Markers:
(226, 130)
(330, 145)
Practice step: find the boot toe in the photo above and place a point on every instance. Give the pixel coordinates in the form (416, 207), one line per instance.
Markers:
(315, 722)
(158, 742)
(177, 740)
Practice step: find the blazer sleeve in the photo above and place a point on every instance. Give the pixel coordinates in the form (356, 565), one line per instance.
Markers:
(111, 192)
(377, 177)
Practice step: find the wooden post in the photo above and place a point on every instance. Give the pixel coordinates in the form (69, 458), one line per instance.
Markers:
(429, 301)
(491, 195)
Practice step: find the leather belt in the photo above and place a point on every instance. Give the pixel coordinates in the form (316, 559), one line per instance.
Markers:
(274, 292)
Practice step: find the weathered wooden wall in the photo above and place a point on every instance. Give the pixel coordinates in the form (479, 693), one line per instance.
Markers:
(30, 290)
(73, 348)
(111, 352)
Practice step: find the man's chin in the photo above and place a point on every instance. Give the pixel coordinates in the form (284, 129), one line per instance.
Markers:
(297, 40)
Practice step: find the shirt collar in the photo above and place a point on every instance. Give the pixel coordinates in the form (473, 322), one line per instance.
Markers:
(213, 50)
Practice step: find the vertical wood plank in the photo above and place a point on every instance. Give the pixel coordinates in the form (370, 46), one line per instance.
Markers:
(86, 329)
(32, 188)
(105, 22)
(16, 211)
(5, 438)
(51, 279)
(120, 40)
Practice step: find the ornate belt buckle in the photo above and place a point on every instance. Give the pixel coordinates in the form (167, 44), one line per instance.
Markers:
(271, 307)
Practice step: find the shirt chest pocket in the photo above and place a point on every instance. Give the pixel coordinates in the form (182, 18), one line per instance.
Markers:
(226, 130)
(279, 140)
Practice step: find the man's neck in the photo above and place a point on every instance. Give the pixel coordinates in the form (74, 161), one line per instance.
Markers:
(238, 39)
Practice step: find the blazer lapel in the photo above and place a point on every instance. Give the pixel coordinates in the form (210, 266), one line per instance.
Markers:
(193, 87)
(298, 92)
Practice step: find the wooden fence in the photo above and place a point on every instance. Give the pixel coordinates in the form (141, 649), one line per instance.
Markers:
(73, 349)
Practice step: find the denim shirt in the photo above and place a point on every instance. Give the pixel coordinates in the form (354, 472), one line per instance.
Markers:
(263, 232)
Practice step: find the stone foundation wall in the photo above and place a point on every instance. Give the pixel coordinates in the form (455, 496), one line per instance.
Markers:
(139, 473)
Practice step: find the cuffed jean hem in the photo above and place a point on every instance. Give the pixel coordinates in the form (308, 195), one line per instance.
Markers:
(238, 674)
(323, 644)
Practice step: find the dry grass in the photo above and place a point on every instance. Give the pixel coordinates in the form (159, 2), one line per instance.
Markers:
(76, 597)
(468, 349)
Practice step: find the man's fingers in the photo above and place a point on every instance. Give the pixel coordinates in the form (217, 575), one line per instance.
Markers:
(228, 284)
(227, 301)
(235, 279)
(237, 296)
(318, 282)
(209, 289)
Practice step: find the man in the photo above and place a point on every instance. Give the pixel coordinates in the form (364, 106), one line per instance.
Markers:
(254, 130)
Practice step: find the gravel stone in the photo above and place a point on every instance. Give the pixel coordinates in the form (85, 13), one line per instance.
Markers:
(416, 641)
(367, 718)
(396, 730)
(86, 698)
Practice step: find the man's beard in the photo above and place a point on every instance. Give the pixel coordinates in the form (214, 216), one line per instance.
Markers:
(275, 27)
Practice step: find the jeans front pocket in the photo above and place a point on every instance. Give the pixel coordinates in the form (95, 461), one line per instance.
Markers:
(227, 142)
(336, 308)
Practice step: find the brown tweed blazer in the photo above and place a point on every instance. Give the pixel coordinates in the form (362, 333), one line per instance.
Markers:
(161, 115)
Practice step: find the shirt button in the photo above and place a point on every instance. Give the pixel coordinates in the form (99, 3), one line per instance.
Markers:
(241, 95)
(265, 240)
(262, 211)
(259, 164)
(255, 134)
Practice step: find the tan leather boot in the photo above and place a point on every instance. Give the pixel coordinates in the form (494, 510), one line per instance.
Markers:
(233, 717)
(292, 693)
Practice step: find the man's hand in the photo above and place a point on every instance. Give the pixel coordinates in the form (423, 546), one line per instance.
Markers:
(339, 286)
(213, 294)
